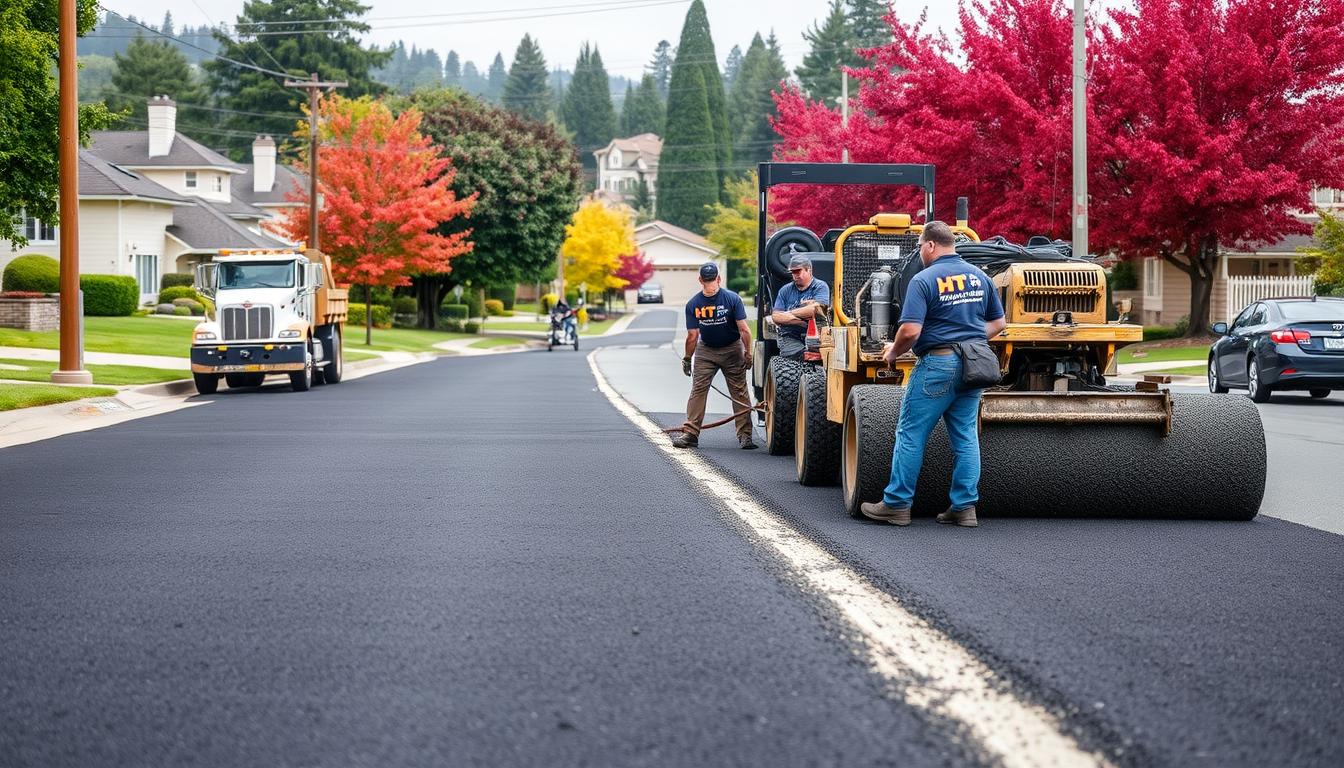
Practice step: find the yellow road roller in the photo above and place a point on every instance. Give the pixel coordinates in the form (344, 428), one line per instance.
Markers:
(1057, 440)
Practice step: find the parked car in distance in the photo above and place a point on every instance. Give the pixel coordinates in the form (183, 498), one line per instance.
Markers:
(1280, 345)
(650, 293)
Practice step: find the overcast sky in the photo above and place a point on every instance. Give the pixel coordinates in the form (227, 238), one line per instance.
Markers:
(625, 31)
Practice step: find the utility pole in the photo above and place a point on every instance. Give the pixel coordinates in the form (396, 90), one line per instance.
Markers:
(1079, 212)
(71, 368)
(844, 111)
(314, 87)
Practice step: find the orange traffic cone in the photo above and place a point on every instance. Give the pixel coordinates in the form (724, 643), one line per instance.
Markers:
(812, 344)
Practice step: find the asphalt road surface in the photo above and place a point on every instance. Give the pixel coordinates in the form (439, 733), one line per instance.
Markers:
(479, 561)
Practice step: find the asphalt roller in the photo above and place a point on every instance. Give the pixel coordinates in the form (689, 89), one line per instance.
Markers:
(1056, 439)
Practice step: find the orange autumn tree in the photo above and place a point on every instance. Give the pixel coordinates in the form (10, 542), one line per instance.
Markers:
(385, 191)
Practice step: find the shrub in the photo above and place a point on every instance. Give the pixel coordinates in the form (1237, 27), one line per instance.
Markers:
(165, 309)
(34, 272)
(1182, 326)
(382, 316)
(1124, 277)
(471, 297)
(495, 308)
(453, 311)
(183, 311)
(1158, 332)
(451, 326)
(196, 307)
(109, 295)
(173, 293)
(176, 280)
(504, 294)
(404, 305)
(547, 301)
(471, 326)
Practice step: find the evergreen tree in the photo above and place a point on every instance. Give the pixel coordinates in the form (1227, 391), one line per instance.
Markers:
(525, 91)
(867, 19)
(587, 109)
(752, 105)
(167, 26)
(430, 72)
(688, 178)
(731, 66)
(452, 70)
(661, 67)
(643, 111)
(337, 54)
(832, 47)
(473, 81)
(148, 69)
(497, 78)
(696, 49)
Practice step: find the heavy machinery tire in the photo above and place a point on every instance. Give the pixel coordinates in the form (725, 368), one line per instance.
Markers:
(867, 439)
(302, 381)
(816, 444)
(1215, 378)
(334, 371)
(781, 399)
(1257, 389)
(784, 243)
(1319, 393)
(206, 383)
(1211, 466)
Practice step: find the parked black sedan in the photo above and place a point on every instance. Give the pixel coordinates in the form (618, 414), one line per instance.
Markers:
(1277, 345)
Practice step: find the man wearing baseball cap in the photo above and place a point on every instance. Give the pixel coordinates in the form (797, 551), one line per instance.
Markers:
(796, 303)
(717, 339)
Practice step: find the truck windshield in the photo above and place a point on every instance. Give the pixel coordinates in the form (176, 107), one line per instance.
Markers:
(257, 275)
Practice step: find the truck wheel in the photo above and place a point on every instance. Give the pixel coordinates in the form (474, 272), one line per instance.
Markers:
(816, 445)
(302, 381)
(781, 400)
(334, 370)
(869, 436)
(206, 383)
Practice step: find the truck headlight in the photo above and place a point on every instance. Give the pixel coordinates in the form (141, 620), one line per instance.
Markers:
(206, 336)
(290, 334)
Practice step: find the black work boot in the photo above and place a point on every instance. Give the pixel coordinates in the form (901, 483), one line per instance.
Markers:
(881, 512)
(746, 444)
(686, 440)
(961, 517)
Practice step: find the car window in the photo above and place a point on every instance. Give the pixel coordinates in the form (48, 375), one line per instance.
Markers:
(1244, 318)
(1312, 311)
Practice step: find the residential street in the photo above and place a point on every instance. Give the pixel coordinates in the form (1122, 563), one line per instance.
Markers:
(481, 561)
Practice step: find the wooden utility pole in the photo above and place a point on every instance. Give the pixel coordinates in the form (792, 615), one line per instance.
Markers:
(1079, 207)
(71, 368)
(314, 88)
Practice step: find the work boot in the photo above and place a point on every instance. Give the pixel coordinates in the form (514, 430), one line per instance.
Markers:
(962, 517)
(686, 440)
(746, 444)
(881, 512)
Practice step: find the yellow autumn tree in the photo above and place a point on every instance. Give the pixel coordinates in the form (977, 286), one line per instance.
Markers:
(595, 241)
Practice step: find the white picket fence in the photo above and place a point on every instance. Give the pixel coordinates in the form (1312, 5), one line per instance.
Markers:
(1241, 291)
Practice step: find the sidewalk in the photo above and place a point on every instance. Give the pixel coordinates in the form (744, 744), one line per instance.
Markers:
(100, 358)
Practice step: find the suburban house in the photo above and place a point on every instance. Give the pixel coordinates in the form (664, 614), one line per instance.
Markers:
(155, 201)
(624, 164)
(676, 254)
(1262, 271)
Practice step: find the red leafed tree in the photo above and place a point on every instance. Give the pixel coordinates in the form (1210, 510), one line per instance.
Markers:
(635, 269)
(385, 191)
(1209, 123)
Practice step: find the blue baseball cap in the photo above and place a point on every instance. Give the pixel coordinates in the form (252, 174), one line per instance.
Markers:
(709, 270)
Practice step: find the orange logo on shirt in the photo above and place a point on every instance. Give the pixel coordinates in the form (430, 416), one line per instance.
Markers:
(705, 313)
(951, 283)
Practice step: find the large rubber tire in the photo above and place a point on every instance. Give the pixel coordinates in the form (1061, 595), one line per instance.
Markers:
(334, 371)
(302, 381)
(1258, 391)
(816, 444)
(781, 400)
(1215, 378)
(206, 383)
(1211, 467)
(1319, 394)
(867, 439)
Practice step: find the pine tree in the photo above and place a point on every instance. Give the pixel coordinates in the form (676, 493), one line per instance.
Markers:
(688, 178)
(587, 108)
(497, 77)
(452, 70)
(643, 111)
(473, 81)
(752, 106)
(731, 66)
(167, 26)
(867, 20)
(832, 47)
(148, 69)
(526, 91)
(696, 49)
(660, 66)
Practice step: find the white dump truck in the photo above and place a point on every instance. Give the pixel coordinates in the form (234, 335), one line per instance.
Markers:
(276, 311)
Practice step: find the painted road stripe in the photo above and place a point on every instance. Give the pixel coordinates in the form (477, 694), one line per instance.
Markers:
(924, 667)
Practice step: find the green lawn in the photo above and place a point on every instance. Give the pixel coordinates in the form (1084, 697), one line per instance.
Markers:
(1187, 370)
(114, 375)
(1198, 352)
(127, 335)
(28, 395)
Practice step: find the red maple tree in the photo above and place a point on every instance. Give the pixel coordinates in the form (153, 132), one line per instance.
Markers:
(385, 191)
(635, 269)
(1209, 123)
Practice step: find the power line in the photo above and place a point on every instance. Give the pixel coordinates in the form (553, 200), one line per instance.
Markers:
(527, 17)
(213, 54)
(605, 4)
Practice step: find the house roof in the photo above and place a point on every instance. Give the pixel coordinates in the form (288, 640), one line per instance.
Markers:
(130, 149)
(1289, 244)
(99, 178)
(656, 229)
(205, 227)
(286, 180)
(646, 146)
(241, 209)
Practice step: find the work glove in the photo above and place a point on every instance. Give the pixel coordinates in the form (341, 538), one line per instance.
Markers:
(686, 365)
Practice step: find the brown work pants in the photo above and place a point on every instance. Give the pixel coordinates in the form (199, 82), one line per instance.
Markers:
(709, 361)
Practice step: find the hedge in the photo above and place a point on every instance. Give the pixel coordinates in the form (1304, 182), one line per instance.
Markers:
(172, 293)
(109, 295)
(176, 279)
(495, 308)
(34, 272)
(382, 315)
(504, 294)
(453, 311)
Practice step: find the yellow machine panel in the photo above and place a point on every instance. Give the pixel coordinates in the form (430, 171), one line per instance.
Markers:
(1035, 292)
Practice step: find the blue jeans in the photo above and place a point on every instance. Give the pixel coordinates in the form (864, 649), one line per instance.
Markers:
(934, 392)
(572, 326)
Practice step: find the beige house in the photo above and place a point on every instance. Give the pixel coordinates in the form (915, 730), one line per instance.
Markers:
(624, 164)
(676, 254)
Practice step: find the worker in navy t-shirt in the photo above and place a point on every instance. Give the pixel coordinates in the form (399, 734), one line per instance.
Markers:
(799, 301)
(717, 339)
(948, 301)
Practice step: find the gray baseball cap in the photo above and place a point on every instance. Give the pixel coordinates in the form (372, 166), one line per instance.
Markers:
(799, 260)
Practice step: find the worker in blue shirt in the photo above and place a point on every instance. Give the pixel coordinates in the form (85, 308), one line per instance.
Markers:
(804, 298)
(717, 339)
(948, 301)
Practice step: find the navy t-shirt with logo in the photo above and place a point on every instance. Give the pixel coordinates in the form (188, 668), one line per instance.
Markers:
(952, 300)
(790, 298)
(716, 317)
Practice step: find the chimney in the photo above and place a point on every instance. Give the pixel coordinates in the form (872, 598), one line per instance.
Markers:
(162, 125)
(263, 164)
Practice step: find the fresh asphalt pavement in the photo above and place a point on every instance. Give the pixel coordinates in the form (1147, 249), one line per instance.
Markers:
(478, 561)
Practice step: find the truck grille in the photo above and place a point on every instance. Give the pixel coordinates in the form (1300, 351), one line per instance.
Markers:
(1049, 303)
(1060, 278)
(239, 323)
(864, 253)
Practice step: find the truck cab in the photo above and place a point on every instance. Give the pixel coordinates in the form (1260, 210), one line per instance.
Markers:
(276, 311)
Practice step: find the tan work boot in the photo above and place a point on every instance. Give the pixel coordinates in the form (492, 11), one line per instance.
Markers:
(962, 517)
(882, 513)
(685, 440)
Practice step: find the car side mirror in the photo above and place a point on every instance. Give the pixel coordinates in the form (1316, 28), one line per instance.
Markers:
(1220, 329)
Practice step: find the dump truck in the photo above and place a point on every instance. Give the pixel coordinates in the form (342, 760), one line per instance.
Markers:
(276, 311)
(1057, 439)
